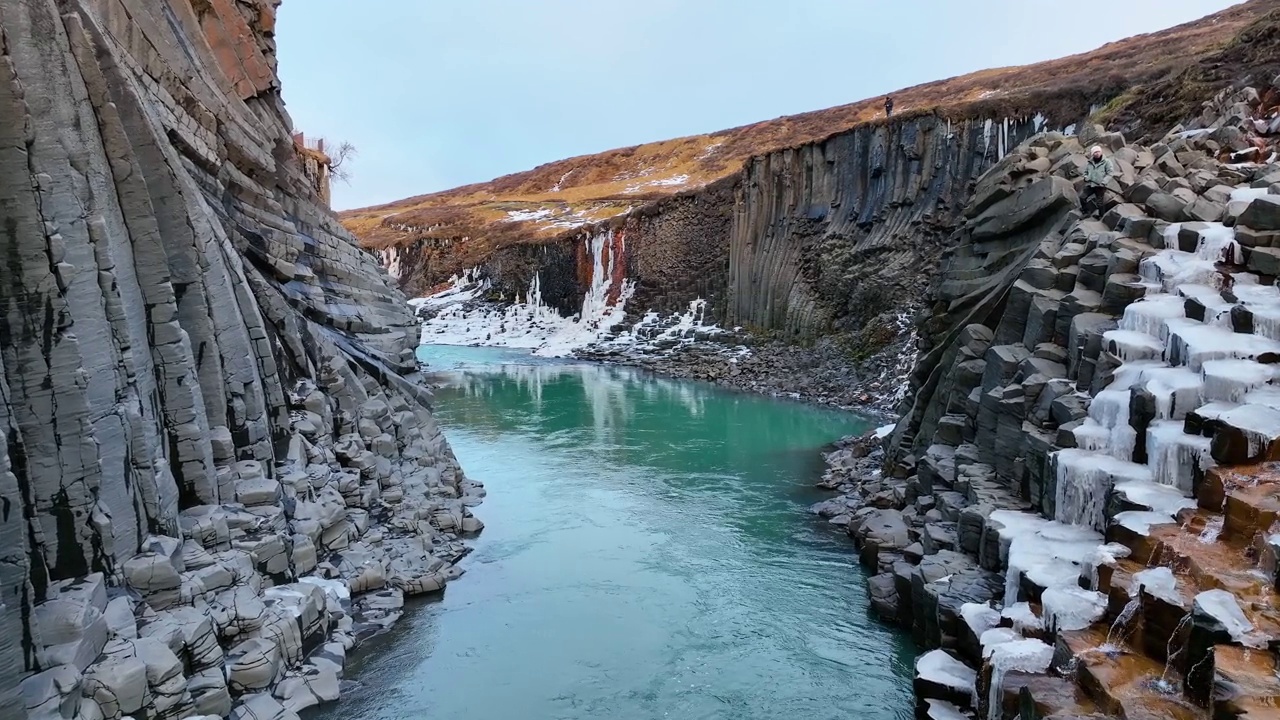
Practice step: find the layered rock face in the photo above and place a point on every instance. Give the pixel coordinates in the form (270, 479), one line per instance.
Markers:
(219, 469)
(1072, 519)
(833, 234)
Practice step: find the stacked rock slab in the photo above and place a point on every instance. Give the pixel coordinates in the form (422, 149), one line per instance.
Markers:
(1072, 520)
(220, 470)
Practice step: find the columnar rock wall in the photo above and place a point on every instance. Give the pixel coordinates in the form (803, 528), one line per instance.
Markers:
(823, 237)
(1077, 516)
(215, 439)
(833, 234)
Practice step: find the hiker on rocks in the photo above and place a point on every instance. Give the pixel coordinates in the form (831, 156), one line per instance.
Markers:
(888, 106)
(1097, 173)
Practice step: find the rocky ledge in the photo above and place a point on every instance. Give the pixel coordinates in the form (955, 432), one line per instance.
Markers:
(1077, 515)
(865, 372)
(221, 470)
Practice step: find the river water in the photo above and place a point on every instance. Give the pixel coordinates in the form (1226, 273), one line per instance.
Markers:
(647, 555)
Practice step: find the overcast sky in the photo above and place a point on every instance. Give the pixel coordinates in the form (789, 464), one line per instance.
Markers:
(440, 93)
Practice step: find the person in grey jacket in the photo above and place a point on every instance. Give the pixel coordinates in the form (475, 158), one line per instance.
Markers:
(1097, 173)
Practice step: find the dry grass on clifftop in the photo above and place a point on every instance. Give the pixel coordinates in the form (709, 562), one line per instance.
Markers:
(556, 199)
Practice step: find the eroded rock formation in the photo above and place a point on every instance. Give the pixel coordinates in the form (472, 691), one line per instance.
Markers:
(219, 469)
(1077, 515)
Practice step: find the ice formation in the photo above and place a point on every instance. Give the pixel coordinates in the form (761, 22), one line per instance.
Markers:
(943, 710)
(457, 317)
(1222, 606)
(1048, 553)
(1018, 655)
(980, 617)
(531, 323)
(1158, 582)
(1023, 617)
(1072, 608)
(940, 668)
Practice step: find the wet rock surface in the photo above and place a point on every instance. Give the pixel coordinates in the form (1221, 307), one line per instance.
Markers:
(221, 470)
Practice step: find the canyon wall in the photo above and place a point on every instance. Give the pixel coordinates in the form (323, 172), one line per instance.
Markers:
(215, 441)
(830, 235)
(806, 241)
(1077, 515)
(674, 251)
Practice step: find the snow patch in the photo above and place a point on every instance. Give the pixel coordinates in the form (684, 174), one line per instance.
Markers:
(335, 589)
(1159, 583)
(1072, 608)
(941, 669)
(943, 710)
(980, 617)
(1023, 617)
(528, 215)
(1222, 606)
(673, 181)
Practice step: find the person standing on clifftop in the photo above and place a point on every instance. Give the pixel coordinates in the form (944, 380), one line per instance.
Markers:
(1097, 173)
(888, 106)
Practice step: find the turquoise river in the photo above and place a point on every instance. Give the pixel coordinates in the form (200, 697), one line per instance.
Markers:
(648, 554)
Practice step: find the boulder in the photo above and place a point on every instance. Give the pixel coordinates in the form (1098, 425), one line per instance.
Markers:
(1262, 213)
(253, 665)
(1041, 197)
(1166, 207)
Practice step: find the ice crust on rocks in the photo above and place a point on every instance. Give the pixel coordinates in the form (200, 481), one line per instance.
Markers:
(1085, 379)
(938, 667)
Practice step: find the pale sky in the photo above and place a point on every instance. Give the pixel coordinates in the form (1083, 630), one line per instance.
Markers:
(441, 93)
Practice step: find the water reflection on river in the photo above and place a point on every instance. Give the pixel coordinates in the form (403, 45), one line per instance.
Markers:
(648, 555)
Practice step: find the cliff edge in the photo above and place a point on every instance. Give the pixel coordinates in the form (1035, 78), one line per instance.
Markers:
(465, 225)
(220, 470)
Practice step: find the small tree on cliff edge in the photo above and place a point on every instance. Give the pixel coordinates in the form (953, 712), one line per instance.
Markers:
(340, 157)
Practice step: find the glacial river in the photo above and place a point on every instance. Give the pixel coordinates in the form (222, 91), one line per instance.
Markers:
(648, 555)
